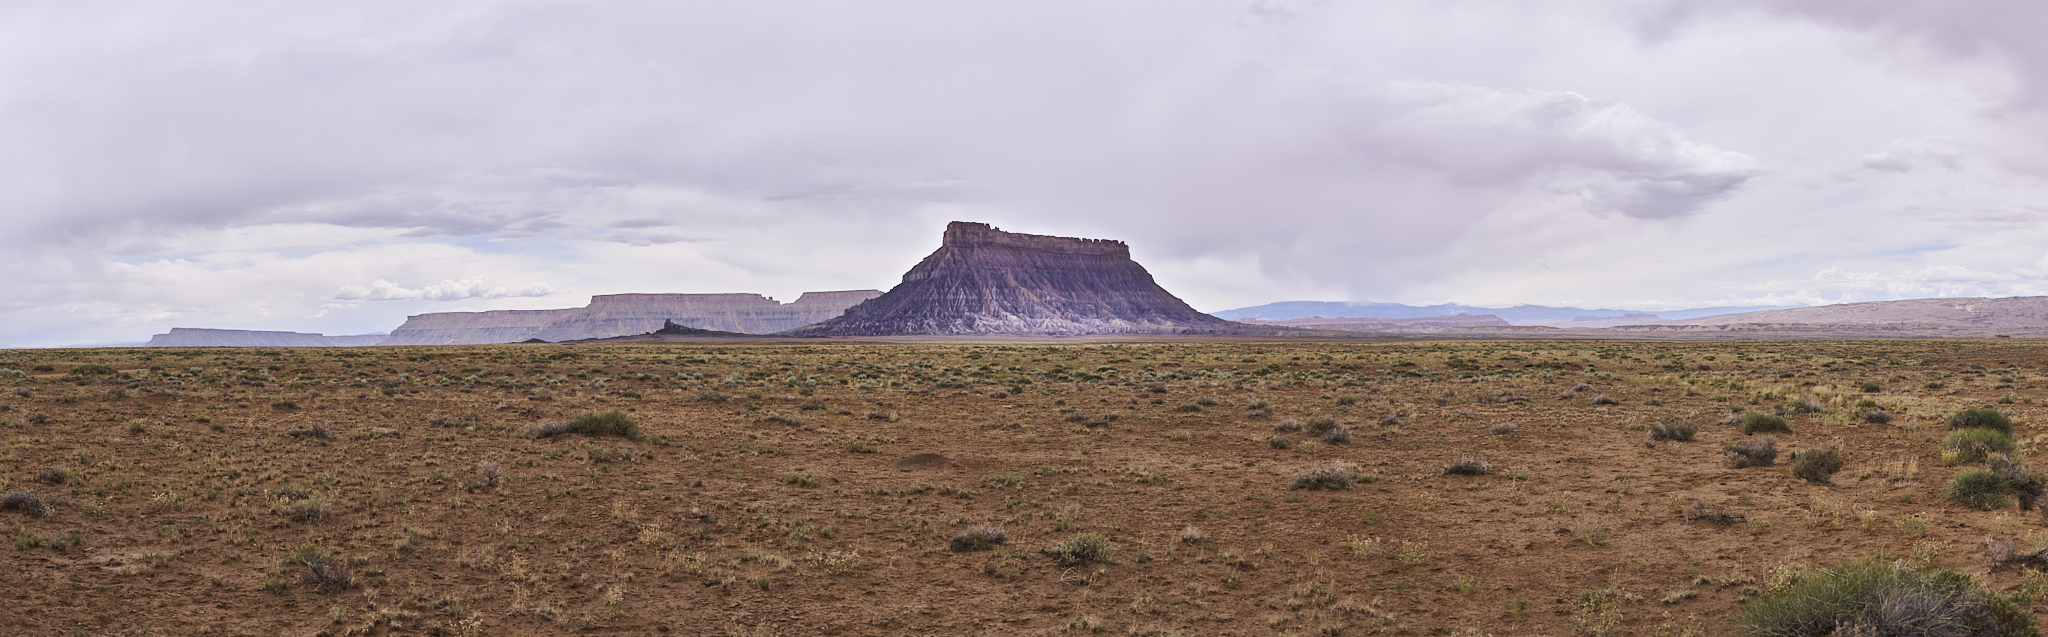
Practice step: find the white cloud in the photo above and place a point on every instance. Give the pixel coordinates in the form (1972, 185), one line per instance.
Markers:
(1905, 155)
(210, 164)
(471, 288)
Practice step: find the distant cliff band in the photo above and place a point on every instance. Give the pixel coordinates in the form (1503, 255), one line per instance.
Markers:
(607, 316)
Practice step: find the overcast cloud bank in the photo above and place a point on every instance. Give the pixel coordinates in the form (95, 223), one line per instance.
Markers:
(333, 168)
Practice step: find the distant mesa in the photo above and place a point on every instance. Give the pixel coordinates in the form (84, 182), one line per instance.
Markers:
(607, 316)
(983, 281)
(202, 337)
(1518, 315)
(614, 315)
(1382, 323)
(2018, 311)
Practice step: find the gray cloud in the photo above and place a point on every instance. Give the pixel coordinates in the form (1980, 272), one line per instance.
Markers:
(158, 159)
(471, 288)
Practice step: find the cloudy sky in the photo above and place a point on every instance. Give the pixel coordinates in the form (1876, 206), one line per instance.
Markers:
(334, 167)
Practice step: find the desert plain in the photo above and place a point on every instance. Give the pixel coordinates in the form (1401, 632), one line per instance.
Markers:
(778, 487)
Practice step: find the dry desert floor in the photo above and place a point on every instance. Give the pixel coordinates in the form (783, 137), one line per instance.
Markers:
(821, 489)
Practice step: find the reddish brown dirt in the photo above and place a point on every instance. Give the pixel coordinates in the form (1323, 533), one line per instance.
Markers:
(756, 515)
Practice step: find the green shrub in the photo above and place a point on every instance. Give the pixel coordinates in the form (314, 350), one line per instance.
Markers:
(1973, 445)
(1882, 597)
(1756, 422)
(1817, 465)
(1981, 419)
(1084, 548)
(1871, 387)
(612, 423)
(1980, 489)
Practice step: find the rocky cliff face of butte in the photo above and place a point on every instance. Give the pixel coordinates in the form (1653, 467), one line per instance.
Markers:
(985, 281)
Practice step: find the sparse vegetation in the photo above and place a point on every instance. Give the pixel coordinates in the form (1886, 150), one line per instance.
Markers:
(1817, 465)
(1322, 476)
(1975, 445)
(1980, 489)
(1467, 467)
(1673, 428)
(1990, 419)
(979, 539)
(787, 490)
(610, 423)
(1753, 452)
(1757, 422)
(321, 570)
(1881, 597)
(1083, 549)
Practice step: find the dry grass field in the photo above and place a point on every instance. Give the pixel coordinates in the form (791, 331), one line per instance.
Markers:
(1486, 487)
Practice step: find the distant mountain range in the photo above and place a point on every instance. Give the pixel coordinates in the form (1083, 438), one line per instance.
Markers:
(1519, 315)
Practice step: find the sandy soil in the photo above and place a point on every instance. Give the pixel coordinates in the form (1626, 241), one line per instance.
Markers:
(800, 489)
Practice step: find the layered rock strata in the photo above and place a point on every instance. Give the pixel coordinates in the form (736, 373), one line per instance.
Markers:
(475, 328)
(204, 337)
(613, 315)
(983, 281)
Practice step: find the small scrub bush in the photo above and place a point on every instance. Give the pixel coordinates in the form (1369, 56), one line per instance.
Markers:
(1322, 476)
(1973, 445)
(1980, 489)
(714, 397)
(1279, 442)
(1756, 422)
(1753, 452)
(1981, 419)
(1337, 434)
(1802, 406)
(492, 473)
(310, 510)
(27, 502)
(610, 423)
(57, 475)
(1698, 510)
(1871, 387)
(317, 432)
(324, 572)
(1817, 465)
(1467, 467)
(979, 539)
(1675, 429)
(2025, 485)
(1083, 549)
(1876, 416)
(1882, 597)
